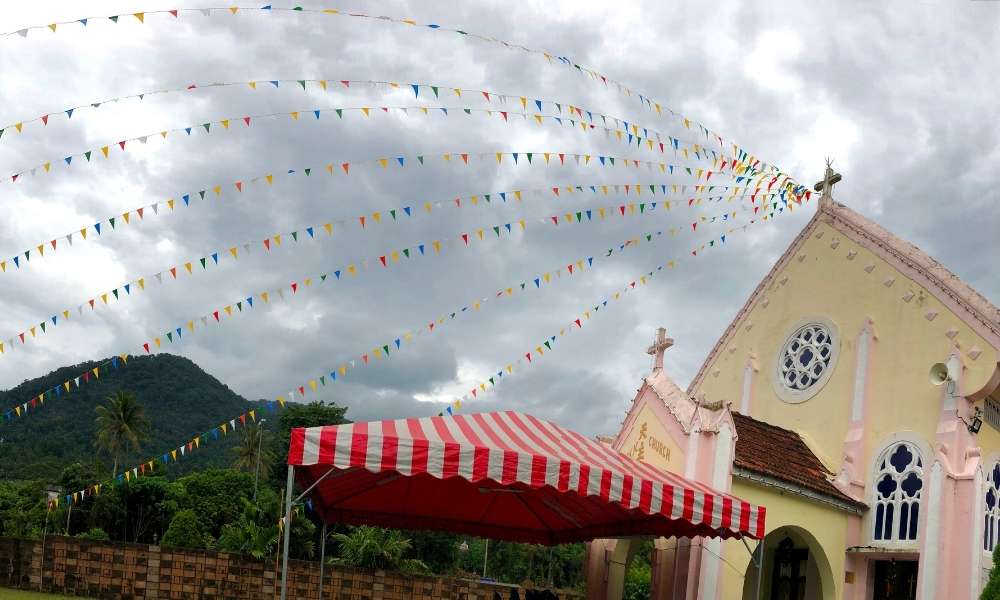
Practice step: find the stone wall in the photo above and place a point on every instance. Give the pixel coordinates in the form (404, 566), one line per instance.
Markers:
(120, 571)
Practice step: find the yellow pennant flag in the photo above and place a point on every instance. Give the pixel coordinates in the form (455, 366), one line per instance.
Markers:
(97, 372)
(140, 16)
(225, 123)
(329, 228)
(104, 150)
(365, 110)
(252, 84)
(270, 178)
(142, 283)
(47, 166)
(218, 190)
(295, 115)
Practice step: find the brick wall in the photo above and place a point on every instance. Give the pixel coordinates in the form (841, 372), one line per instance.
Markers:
(120, 571)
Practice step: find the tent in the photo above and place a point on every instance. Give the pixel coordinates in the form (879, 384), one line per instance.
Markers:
(503, 475)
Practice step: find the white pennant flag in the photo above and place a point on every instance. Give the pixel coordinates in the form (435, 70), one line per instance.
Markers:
(23, 32)
(69, 239)
(156, 208)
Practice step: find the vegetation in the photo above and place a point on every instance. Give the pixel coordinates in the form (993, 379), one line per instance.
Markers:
(992, 589)
(121, 426)
(211, 498)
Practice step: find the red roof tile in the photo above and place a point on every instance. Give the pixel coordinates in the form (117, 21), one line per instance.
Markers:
(779, 453)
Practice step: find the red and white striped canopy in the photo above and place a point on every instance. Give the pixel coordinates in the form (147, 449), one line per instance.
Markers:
(503, 475)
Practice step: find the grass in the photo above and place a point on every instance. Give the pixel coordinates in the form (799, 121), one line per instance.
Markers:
(9, 594)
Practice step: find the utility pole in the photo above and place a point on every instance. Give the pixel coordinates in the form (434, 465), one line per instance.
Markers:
(256, 472)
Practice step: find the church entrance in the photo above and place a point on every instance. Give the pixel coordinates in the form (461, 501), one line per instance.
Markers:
(788, 582)
(895, 580)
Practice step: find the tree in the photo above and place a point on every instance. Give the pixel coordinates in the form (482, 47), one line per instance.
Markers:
(121, 426)
(185, 531)
(254, 450)
(254, 533)
(376, 548)
(992, 589)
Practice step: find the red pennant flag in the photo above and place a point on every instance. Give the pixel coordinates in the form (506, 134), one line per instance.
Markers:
(173, 271)
(503, 114)
(122, 145)
(139, 211)
(562, 158)
(86, 376)
(528, 356)
(239, 186)
(173, 12)
(91, 301)
(21, 335)
(570, 267)
(694, 226)
(473, 392)
(486, 95)
(382, 260)
(267, 244)
(247, 121)
(577, 321)
(364, 358)
(45, 119)
(622, 209)
(216, 315)
(555, 220)
(53, 242)
(430, 326)
(302, 390)
(146, 346)
(346, 167)
(362, 219)
(345, 82)
(295, 287)
(465, 237)
(465, 158)
(555, 191)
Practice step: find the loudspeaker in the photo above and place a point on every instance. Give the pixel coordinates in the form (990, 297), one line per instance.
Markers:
(940, 374)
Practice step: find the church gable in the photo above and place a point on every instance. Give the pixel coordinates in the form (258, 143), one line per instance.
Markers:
(842, 276)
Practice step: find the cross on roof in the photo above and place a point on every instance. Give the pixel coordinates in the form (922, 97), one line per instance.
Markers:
(660, 344)
(830, 177)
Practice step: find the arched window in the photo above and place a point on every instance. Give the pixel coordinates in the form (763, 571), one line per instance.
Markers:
(898, 485)
(992, 531)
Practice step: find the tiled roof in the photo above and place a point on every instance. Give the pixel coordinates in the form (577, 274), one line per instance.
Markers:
(770, 450)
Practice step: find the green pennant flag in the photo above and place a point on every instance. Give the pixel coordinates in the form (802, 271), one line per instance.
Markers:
(386, 349)
(295, 235)
(522, 285)
(642, 207)
(547, 345)
(239, 305)
(202, 194)
(322, 277)
(649, 237)
(652, 189)
(421, 159)
(114, 19)
(112, 221)
(612, 159)
(170, 337)
(487, 196)
(491, 381)
(530, 154)
(322, 379)
(87, 155)
(202, 261)
(302, 82)
(496, 230)
(307, 171)
(393, 213)
(468, 111)
(406, 252)
(434, 88)
(340, 112)
(207, 126)
(42, 324)
(579, 217)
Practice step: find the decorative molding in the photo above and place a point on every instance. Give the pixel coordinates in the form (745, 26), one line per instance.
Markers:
(951, 333)
(764, 302)
(908, 296)
(819, 235)
(852, 255)
(974, 352)
(930, 315)
(835, 243)
(869, 269)
(802, 257)
(888, 282)
(767, 481)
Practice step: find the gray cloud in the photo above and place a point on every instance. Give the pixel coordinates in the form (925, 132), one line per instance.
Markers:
(897, 97)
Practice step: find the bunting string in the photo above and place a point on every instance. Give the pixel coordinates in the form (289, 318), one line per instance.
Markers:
(651, 136)
(237, 307)
(529, 357)
(149, 466)
(744, 178)
(68, 386)
(272, 242)
(508, 117)
(551, 58)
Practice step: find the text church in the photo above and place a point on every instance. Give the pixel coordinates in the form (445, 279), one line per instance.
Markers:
(848, 396)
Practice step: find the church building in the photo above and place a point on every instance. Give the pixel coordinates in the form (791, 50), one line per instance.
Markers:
(855, 396)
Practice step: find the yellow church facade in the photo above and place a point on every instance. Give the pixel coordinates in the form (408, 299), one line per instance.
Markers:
(817, 403)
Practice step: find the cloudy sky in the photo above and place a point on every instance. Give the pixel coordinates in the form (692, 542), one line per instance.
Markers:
(901, 95)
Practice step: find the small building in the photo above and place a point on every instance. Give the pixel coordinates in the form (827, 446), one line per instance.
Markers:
(817, 402)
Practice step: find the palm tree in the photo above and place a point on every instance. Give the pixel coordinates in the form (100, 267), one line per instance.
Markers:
(121, 426)
(253, 445)
(376, 548)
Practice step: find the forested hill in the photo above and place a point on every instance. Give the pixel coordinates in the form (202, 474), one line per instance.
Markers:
(180, 401)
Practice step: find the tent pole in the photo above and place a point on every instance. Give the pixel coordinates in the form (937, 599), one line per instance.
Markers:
(322, 557)
(760, 566)
(288, 531)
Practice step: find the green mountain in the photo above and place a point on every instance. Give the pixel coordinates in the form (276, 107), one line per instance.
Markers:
(180, 400)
